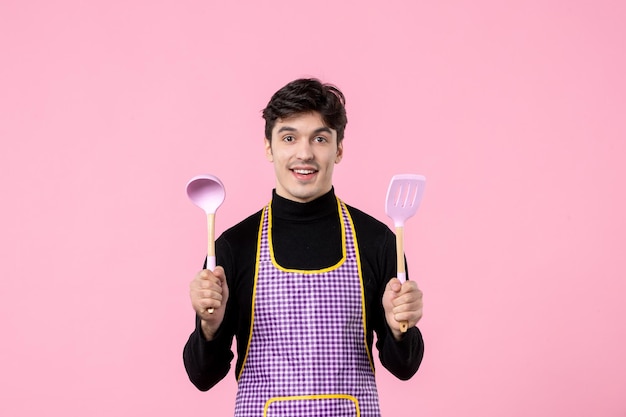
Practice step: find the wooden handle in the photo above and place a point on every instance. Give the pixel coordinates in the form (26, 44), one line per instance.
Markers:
(211, 234)
(404, 325)
(400, 250)
(210, 217)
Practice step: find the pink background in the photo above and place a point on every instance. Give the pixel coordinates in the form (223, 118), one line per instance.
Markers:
(513, 110)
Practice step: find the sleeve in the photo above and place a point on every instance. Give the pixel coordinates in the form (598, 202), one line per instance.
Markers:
(402, 358)
(207, 362)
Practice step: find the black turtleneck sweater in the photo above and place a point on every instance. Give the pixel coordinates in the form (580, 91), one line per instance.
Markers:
(305, 236)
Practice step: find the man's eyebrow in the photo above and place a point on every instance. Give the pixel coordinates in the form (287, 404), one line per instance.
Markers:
(293, 129)
(323, 129)
(287, 129)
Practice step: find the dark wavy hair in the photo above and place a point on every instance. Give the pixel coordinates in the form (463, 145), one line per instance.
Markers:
(303, 96)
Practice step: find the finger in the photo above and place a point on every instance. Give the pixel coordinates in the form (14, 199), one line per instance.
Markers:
(210, 294)
(207, 279)
(205, 274)
(203, 298)
(408, 294)
(207, 305)
(411, 312)
(200, 280)
(407, 307)
(412, 317)
(409, 287)
(412, 305)
(203, 286)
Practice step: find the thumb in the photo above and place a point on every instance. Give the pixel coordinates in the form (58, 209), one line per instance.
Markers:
(219, 273)
(394, 285)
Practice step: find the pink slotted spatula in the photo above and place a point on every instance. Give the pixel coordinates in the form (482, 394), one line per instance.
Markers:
(403, 198)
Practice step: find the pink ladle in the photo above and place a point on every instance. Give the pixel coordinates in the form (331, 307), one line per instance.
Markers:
(207, 192)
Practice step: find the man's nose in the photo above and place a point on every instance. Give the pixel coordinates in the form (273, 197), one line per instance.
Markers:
(305, 150)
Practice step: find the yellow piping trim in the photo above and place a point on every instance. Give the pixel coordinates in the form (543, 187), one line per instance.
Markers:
(306, 271)
(314, 397)
(358, 261)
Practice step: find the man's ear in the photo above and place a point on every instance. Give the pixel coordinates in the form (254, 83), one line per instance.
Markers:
(268, 150)
(339, 152)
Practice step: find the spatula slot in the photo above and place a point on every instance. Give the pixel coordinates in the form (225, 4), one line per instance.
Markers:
(404, 195)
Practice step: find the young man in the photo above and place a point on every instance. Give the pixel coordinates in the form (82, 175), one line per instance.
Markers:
(305, 282)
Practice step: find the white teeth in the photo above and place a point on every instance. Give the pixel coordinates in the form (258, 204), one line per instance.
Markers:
(303, 171)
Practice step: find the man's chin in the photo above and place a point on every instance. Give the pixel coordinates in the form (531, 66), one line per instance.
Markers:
(302, 194)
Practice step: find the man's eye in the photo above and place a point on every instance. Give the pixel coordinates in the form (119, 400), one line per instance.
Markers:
(320, 139)
(289, 138)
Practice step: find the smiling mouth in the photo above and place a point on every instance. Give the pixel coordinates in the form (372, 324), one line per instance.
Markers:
(303, 174)
(304, 171)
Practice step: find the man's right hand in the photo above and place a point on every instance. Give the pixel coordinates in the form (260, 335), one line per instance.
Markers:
(209, 290)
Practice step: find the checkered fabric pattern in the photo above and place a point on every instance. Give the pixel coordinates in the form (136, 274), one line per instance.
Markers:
(307, 355)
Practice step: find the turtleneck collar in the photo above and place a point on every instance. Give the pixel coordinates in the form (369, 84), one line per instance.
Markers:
(322, 206)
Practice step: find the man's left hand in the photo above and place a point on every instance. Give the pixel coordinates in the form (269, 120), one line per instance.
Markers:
(402, 303)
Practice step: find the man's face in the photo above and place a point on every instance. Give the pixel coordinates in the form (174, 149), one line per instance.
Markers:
(304, 152)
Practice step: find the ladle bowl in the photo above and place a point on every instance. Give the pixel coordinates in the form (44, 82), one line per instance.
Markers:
(207, 192)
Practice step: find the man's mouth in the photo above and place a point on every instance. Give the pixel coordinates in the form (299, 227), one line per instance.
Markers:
(304, 171)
